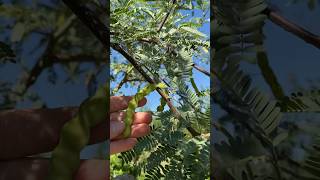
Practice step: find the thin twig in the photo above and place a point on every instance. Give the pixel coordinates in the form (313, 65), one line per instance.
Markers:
(166, 16)
(90, 19)
(124, 81)
(45, 59)
(194, 65)
(201, 69)
(60, 32)
(269, 75)
(293, 28)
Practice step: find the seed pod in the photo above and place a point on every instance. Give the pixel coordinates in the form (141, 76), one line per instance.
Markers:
(160, 108)
(75, 136)
(133, 104)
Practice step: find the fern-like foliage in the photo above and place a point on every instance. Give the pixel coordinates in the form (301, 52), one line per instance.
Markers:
(238, 37)
(248, 169)
(260, 114)
(238, 31)
(170, 146)
(255, 136)
(312, 163)
(167, 54)
(169, 152)
(6, 53)
(308, 101)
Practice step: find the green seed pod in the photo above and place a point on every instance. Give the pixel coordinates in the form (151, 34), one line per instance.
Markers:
(75, 136)
(133, 104)
(160, 108)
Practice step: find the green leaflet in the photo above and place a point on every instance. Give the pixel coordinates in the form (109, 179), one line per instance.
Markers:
(195, 87)
(133, 104)
(6, 53)
(75, 136)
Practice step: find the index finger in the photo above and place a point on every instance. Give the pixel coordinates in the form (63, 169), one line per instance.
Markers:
(118, 103)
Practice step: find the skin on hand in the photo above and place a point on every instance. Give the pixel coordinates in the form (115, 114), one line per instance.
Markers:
(93, 169)
(89, 169)
(98, 169)
(140, 126)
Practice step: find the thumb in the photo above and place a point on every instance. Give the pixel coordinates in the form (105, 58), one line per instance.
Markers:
(116, 128)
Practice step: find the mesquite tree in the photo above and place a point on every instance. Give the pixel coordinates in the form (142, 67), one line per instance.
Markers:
(159, 42)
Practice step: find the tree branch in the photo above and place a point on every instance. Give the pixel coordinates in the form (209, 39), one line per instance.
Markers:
(176, 113)
(269, 75)
(60, 32)
(44, 61)
(91, 20)
(201, 69)
(155, 41)
(123, 81)
(166, 16)
(293, 28)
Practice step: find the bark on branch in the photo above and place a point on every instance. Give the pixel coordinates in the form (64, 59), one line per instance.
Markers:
(293, 28)
(202, 70)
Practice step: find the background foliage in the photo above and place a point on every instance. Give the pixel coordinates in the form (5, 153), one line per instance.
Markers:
(48, 58)
(261, 131)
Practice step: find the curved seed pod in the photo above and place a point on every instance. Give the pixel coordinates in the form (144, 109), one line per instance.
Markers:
(133, 104)
(160, 108)
(75, 136)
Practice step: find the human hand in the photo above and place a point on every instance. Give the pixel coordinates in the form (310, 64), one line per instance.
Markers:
(140, 125)
(42, 127)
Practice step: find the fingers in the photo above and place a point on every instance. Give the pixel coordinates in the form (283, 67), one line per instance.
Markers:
(139, 117)
(137, 130)
(37, 169)
(93, 169)
(122, 145)
(118, 103)
(140, 126)
(140, 130)
(116, 128)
